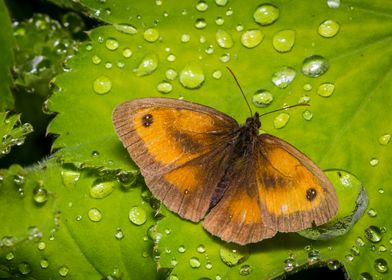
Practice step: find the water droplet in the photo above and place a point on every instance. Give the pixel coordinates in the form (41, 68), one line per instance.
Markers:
(34, 234)
(289, 263)
(201, 249)
(373, 162)
(173, 261)
(266, 14)
(202, 6)
(119, 234)
(307, 115)
(164, 87)
(95, 215)
(304, 99)
(19, 180)
(219, 21)
(373, 234)
(173, 277)
(69, 177)
(308, 87)
(380, 190)
(111, 44)
(333, 264)
(148, 65)
(381, 265)
(24, 268)
(10, 256)
(314, 66)
(44, 263)
(224, 39)
(326, 89)
(333, 4)
(229, 12)
(240, 27)
(313, 256)
(281, 120)
(171, 57)
(137, 215)
(384, 139)
(283, 77)
(372, 213)
(252, 38)
(359, 241)
(328, 28)
(194, 262)
(102, 189)
(102, 85)
(233, 254)
(225, 58)
(79, 218)
(181, 249)
(208, 265)
(151, 35)
(41, 245)
(365, 276)
(96, 59)
(192, 76)
(382, 248)
(245, 270)
(349, 257)
(171, 74)
(63, 270)
(126, 28)
(185, 38)
(209, 49)
(200, 23)
(283, 41)
(221, 2)
(354, 250)
(40, 194)
(262, 98)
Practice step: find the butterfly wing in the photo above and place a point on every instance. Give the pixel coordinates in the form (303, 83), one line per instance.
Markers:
(181, 148)
(237, 217)
(294, 192)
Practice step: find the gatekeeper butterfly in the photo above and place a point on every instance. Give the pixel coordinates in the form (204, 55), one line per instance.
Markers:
(203, 165)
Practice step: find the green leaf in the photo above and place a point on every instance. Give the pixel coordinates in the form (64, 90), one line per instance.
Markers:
(6, 59)
(12, 132)
(341, 129)
(42, 46)
(53, 223)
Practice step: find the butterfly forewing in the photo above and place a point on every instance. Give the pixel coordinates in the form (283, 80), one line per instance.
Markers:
(181, 149)
(294, 193)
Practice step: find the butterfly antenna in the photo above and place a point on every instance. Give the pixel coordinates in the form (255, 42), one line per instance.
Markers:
(242, 92)
(285, 108)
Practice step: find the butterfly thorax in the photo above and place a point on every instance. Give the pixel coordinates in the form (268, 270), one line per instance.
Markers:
(247, 136)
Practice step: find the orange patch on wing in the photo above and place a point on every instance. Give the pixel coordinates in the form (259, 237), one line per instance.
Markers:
(186, 178)
(174, 136)
(287, 189)
(244, 209)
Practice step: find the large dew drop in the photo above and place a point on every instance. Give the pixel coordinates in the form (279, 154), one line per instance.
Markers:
(266, 14)
(137, 215)
(284, 40)
(328, 28)
(192, 76)
(111, 44)
(102, 189)
(151, 35)
(102, 85)
(224, 39)
(262, 98)
(232, 254)
(148, 65)
(314, 66)
(283, 77)
(252, 38)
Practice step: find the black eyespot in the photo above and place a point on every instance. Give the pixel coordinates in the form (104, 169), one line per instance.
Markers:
(311, 194)
(147, 120)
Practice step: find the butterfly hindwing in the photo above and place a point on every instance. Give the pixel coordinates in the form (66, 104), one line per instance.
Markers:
(237, 217)
(180, 147)
(294, 193)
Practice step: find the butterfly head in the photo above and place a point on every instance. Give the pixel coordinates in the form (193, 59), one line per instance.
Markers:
(253, 122)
